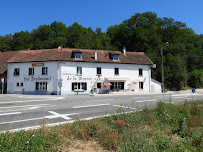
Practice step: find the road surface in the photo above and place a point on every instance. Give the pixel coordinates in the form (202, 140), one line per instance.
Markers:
(31, 111)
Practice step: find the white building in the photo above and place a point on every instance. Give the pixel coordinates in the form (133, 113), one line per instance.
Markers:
(72, 71)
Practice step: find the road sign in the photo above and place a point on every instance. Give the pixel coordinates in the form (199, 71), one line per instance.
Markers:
(193, 90)
(2, 80)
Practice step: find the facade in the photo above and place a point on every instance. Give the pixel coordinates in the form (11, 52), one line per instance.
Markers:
(77, 71)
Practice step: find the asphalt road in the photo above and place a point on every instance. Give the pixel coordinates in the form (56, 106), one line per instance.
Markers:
(31, 111)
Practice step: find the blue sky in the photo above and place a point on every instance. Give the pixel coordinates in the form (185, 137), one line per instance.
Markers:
(22, 15)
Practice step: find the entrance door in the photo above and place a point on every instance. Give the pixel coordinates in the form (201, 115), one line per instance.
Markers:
(117, 85)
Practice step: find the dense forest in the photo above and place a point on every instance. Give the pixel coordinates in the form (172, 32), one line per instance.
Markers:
(143, 32)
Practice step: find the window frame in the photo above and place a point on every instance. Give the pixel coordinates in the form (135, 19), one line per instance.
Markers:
(141, 85)
(79, 86)
(32, 72)
(45, 71)
(115, 57)
(79, 71)
(78, 56)
(116, 71)
(40, 86)
(16, 72)
(99, 70)
(140, 71)
(99, 85)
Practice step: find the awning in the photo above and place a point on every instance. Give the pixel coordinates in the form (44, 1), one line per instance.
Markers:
(131, 84)
(107, 84)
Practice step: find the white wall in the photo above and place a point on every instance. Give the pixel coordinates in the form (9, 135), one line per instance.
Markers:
(127, 73)
(155, 87)
(29, 82)
(66, 72)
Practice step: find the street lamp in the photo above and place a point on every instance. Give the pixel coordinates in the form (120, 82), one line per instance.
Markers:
(162, 68)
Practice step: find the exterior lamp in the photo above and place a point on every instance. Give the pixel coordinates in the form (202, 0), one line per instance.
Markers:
(162, 68)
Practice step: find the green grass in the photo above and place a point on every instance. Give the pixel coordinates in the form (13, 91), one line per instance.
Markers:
(167, 127)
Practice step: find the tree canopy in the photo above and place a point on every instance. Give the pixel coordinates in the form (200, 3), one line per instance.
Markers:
(143, 32)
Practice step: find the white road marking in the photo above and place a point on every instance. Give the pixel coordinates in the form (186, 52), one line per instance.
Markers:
(39, 105)
(21, 120)
(124, 107)
(147, 100)
(30, 108)
(100, 100)
(55, 116)
(64, 122)
(46, 117)
(92, 106)
(188, 94)
(40, 97)
(53, 99)
(59, 115)
(139, 97)
(5, 114)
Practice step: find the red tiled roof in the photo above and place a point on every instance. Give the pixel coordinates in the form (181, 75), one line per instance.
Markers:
(4, 57)
(66, 54)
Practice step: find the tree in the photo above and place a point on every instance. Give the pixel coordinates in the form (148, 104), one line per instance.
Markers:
(79, 37)
(6, 43)
(22, 40)
(42, 37)
(59, 31)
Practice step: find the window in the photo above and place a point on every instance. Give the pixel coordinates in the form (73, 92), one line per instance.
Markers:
(98, 85)
(78, 55)
(18, 84)
(116, 71)
(140, 85)
(44, 70)
(115, 57)
(41, 86)
(98, 71)
(140, 72)
(31, 71)
(16, 72)
(117, 85)
(79, 86)
(79, 70)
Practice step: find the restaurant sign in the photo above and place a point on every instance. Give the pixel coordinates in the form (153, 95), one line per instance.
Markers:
(37, 79)
(37, 64)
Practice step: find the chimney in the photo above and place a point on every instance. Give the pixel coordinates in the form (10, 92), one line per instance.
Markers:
(124, 51)
(95, 55)
(59, 47)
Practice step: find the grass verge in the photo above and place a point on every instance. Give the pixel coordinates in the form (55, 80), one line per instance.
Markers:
(164, 128)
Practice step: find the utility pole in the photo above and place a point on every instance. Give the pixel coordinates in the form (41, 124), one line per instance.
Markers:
(162, 69)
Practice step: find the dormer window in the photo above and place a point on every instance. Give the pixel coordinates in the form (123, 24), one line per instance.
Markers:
(78, 56)
(116, 57)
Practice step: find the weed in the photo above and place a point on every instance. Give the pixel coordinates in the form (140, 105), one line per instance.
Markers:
(165, 128)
